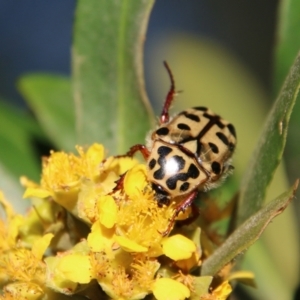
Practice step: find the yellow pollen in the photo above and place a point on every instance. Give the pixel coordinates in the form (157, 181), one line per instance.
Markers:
(121, 283)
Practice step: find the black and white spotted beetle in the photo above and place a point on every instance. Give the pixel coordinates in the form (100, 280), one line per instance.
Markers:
(186, 154)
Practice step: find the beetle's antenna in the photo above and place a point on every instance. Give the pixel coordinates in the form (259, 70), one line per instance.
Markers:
(164, 117)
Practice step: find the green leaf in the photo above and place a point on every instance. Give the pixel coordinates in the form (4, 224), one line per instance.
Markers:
(17, 133)
(243, 237)
(269, 149)
(287, 47)
(201, 286)
(50, 98)
(111, 104)
(288, 40)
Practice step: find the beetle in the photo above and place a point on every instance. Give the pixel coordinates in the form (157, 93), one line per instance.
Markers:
(188, 153)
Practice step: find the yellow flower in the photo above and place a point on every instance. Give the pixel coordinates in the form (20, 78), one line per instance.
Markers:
(140, 219)
(60, 179)
(131, 280)
(62, 174)
(69, 269)
(114, 239)
(24, 269)
(65, 175)
(127, 226)
(144, 270)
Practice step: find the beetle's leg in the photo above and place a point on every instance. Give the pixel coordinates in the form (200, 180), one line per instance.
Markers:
(138, 147)
(193, 217)
(180, 208)
(119, 184)
(164, 117)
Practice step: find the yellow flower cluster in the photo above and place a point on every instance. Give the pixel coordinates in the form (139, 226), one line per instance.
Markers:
(83, 232)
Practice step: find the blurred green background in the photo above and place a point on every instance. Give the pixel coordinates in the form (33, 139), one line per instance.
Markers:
(219, 52)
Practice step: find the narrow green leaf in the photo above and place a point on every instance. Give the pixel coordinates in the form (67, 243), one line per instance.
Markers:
(287, 47)
(17, 133)
(111, 104)
(269, 149)
(288, 40)
(243, 237)
(50, 98)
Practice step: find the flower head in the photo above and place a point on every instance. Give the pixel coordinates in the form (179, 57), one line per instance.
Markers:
(106, 227)
(25, 270)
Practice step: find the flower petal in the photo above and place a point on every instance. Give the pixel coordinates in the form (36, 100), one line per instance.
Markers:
(129, 245)
(101, 238)
(178, 247)
(40, 246)
(135, 180)
(167, 288)
(246, 277)
(75, 267)
(93, 157)
(108, 211)
(37, 192)
(95, 153)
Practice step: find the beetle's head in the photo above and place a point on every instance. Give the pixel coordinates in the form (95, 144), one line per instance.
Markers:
(162, 197)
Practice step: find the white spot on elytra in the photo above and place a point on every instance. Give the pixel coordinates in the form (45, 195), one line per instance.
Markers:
(171, 166)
